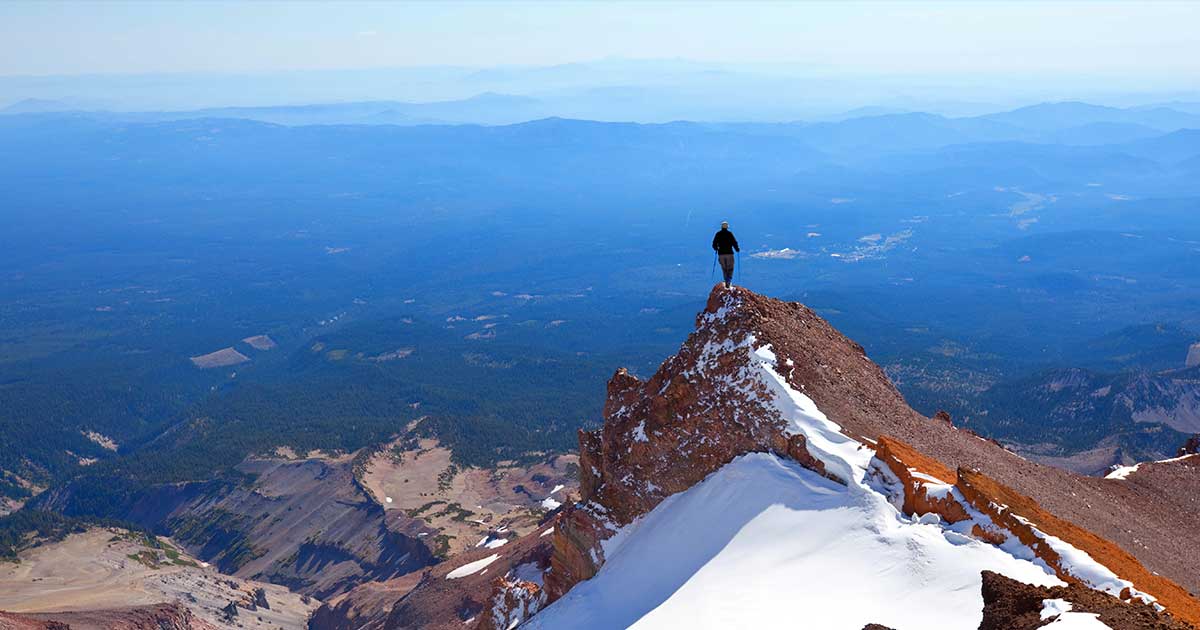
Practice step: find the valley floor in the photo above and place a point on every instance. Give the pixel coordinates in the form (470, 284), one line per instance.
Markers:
(466, 505)
(106, 568)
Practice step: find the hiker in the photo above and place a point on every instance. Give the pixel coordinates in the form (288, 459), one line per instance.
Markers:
(725, 244)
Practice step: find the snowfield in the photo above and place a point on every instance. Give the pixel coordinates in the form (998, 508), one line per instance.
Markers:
(764, 542)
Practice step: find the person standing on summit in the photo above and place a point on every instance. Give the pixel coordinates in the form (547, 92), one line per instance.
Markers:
(724, 244)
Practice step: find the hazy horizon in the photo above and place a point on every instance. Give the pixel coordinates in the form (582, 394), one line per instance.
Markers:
(910, 38)
(811, 58)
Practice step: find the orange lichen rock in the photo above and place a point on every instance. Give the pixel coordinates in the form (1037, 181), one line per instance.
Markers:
(915, 471)
(1020, 514)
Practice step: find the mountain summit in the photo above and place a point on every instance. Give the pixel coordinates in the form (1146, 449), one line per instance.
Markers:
(769, 471)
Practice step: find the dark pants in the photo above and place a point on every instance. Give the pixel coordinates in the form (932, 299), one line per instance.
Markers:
(727, 266)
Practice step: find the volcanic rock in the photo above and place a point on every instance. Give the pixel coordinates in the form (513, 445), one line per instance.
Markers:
(1012, 605)
(260, 598)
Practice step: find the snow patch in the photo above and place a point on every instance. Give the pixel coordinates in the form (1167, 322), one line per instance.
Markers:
(1122, 472)
(1054, 608)
(786, 253)
(1060, 611)
(529, 572)
(842, 456)
(471, 568)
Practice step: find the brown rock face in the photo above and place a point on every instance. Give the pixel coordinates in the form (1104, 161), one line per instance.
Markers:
(439, 598)
(1012, 605)
(366, 606)
(576, 534)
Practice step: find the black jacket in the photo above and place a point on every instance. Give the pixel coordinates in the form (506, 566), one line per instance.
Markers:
(725, 243)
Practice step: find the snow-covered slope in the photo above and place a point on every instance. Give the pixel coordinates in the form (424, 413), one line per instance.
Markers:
(820, 537)
(770, 475)
(764, 540)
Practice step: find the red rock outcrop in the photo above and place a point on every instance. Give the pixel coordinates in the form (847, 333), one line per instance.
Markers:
(513, 601)
(156, 617)
(13, 621)
(577, 533)
(518, 594)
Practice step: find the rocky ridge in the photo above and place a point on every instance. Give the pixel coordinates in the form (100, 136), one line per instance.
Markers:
(708, 404)
(484, 587)
(304, 523)
(763, 376)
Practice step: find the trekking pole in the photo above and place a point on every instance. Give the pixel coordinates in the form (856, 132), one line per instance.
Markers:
(739, 268)
(713, 273)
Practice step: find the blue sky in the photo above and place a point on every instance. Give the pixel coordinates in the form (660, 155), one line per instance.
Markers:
(937, 38)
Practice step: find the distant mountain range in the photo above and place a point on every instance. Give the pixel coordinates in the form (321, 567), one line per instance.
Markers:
(1069, 122)
(643, 90)
(487, 108)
